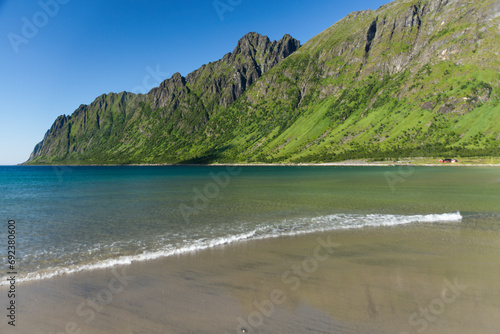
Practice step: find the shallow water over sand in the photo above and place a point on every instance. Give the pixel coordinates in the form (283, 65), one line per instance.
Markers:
(77, 218)
(440, 278)
(382, 272)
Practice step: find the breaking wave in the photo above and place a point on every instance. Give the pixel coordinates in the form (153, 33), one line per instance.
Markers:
(242, 232)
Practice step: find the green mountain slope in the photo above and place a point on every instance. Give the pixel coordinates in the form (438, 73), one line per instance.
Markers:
(413, 78)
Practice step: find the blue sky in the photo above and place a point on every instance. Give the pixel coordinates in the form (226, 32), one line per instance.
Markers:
(58, 54)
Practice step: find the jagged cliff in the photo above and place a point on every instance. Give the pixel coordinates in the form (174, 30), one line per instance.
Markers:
(179, 104)
(415, 77)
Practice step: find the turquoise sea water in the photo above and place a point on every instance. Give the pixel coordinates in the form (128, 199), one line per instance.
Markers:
(76, 218)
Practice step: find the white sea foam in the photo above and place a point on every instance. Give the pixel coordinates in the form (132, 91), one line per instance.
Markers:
(251, 232)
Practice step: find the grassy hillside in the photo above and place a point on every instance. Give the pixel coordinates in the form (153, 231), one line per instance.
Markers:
(413, 78)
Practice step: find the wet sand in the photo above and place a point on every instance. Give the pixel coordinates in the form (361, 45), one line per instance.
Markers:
(438, 278)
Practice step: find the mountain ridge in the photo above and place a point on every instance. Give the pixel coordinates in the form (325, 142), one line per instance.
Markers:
(410, 78)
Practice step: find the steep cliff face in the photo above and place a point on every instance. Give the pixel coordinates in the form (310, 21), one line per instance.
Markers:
(219, 84)
(222, 82)
(55, 133)
(411, 78)
(400, 36)
(414, 77)
(119, 126)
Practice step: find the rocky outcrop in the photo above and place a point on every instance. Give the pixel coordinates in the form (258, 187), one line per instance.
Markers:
(169, 93)
(224, 81)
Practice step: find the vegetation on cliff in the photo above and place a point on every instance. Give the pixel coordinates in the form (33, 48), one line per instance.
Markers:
(413, 78)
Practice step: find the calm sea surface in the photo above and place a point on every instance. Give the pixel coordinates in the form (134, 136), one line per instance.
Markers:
(76, 218)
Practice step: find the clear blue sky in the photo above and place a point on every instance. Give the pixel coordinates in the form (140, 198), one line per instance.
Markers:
(58, 54)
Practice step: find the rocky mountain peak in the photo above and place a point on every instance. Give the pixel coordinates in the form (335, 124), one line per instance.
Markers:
(260, 49)
(251, 42)
(224, 81)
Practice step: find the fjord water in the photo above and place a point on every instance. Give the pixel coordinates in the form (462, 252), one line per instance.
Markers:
(72, 219)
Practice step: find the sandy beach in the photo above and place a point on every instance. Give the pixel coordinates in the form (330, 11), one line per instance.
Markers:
(326, 164)
(408, 279)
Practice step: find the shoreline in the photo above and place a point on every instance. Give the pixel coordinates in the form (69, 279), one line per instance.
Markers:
(213, 244)
(307, 164)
